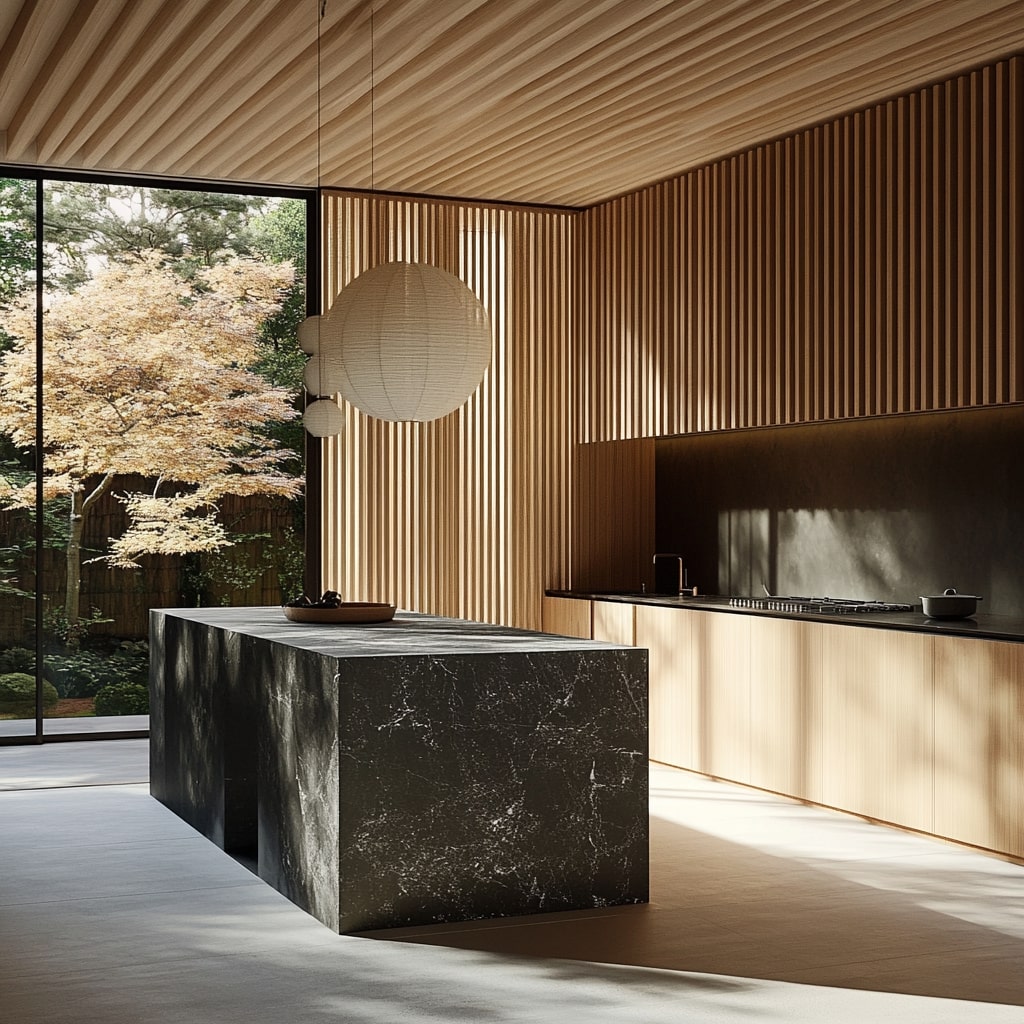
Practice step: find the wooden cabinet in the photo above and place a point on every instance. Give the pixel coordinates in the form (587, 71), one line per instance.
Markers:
(922, 731)
(610, 621)
(667, 633)
(876, 724)
(720, 668)
(836, 715)
(979, 742)
(698, 674)
(786, 749)
(926, 732)
(567, 616)
(613, 622)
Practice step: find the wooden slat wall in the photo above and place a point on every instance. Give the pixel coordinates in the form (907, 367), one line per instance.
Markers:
(467, 515)
(613, 519)
(870, 265)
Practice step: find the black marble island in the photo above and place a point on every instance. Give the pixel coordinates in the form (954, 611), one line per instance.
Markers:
(409, 772)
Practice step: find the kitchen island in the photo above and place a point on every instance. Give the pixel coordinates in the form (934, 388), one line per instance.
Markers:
(409, 772)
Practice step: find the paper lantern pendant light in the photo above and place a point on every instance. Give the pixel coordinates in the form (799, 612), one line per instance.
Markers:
(411, 341)
(322, 374)
(308, 335)
(323, 418)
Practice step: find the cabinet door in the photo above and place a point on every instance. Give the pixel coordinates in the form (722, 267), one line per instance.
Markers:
(567, 616)
(979, 742)
(721, 669)
(876, 725)
(785, 707)
(667, 635)
(613, 622)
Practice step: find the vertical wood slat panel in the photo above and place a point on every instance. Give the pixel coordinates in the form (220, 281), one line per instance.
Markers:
(613, 516)
(869, 266)
(457, 516)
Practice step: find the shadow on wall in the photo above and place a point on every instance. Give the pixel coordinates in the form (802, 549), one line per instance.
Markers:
(885, 509)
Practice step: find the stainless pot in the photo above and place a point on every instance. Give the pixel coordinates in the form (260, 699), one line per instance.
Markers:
(950, 605)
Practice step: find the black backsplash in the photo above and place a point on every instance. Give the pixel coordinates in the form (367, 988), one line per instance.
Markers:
(886, 508)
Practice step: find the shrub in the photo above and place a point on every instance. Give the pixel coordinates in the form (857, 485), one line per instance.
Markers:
(17, 659)
(123, 699)
(83, 673)
(18, 694)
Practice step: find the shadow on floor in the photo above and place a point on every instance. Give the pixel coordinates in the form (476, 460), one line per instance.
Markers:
(724, 908)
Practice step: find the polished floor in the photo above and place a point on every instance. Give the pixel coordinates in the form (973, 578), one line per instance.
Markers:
(763, 910)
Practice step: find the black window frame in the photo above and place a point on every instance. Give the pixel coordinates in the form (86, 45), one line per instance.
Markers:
(313, 445)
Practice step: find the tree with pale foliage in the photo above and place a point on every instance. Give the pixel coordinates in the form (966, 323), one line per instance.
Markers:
(144, 376)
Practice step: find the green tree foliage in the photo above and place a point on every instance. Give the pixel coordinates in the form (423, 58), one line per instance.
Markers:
(17, 236)
(84, 220)
(279, 234)
(17, 272)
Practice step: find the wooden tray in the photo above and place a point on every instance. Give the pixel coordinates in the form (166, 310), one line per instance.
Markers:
(350, 611)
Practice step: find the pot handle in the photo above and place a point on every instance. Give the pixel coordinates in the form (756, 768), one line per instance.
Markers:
(949, 592)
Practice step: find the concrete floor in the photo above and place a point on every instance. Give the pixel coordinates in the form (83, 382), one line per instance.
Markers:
(24, 728)
(112, 910)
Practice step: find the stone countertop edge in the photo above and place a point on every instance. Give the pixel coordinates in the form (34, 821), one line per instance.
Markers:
(1008, 628)
(408, 634)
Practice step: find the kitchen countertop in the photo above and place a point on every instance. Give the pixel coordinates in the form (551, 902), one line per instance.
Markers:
(982, 625)
(408, 634)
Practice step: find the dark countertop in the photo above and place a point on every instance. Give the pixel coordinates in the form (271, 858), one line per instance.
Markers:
(981, 626)
(409, 634)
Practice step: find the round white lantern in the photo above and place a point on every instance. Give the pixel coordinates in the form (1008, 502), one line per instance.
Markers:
(308, 334)
(323, 418)
(322, 373)
(412, 340)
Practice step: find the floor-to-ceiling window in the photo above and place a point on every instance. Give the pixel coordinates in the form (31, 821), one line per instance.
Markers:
(151, 452)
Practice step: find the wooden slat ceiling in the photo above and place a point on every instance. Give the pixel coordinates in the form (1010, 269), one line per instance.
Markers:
(539, 101)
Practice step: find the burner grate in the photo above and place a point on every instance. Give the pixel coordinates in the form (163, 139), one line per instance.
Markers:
(817, 605)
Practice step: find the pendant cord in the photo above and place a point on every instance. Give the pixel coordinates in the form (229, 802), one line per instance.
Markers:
(319, 28)
(373, 70)
(319, 171)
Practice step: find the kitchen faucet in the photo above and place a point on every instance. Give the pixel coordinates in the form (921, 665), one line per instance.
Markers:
(684, 589)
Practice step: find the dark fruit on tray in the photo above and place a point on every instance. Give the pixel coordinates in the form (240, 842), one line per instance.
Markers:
(329, 599)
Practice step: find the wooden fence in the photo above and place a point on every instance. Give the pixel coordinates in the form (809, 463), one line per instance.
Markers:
(251, 572)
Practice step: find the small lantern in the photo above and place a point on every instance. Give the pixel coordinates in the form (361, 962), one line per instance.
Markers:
(308, 335)
(323, 418)
(322, 374)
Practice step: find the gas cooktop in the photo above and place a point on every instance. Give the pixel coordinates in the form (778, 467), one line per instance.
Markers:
(817, 605)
